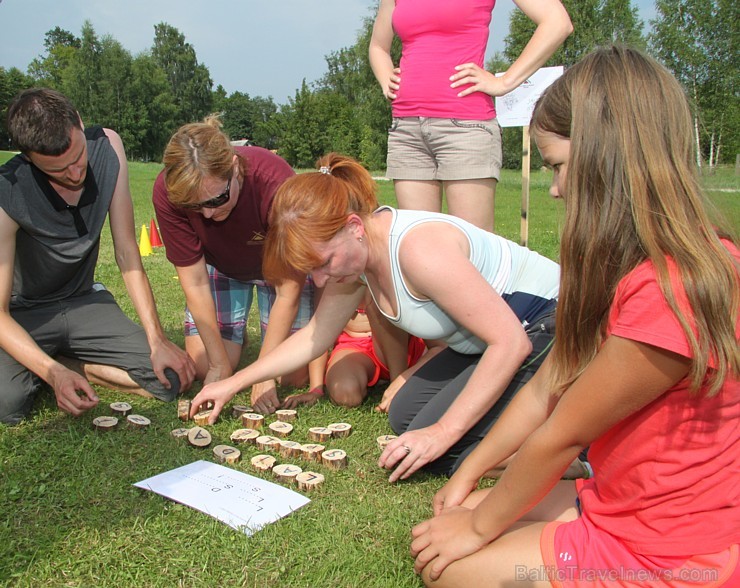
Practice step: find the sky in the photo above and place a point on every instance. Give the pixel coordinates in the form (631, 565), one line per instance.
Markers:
(259, 47)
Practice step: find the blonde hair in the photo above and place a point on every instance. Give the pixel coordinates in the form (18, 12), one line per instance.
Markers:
(312, 208)
(632, 194)
(197, 151)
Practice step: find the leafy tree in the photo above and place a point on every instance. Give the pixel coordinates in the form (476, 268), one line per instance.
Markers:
(80, 79)
(698, 41)
(60, 46)
(303, 137)
(190, 81)
(12, 81)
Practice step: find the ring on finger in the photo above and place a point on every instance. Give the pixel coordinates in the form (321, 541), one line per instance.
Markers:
(407, 449)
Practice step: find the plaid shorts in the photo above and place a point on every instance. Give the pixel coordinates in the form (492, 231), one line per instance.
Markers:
(233, 300)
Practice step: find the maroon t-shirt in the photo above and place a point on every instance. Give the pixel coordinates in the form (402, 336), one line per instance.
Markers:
(233, 246)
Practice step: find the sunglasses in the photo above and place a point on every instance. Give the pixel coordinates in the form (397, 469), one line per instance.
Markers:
(214, 202)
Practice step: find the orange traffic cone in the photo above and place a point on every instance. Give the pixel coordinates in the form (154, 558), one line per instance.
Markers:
(145, 246)
(156, 241)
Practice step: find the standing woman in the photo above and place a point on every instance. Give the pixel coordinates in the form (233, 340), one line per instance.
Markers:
(212, 202)
(432, 275)
(444, 136)
(645, 369)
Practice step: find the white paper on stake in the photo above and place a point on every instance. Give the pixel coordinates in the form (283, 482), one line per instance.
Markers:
(243, 502)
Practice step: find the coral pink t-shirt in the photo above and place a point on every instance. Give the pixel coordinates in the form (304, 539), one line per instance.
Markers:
(436, 36)
(667, 478)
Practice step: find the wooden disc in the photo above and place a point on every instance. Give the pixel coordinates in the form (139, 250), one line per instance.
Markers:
(263, 462)
(340, 429)
(286, 415)
(180, 433)
(199, 437)
(320, 434)
(183, 409)
(312, 451)
(201, 418)
(289, 449)
(252, 420)
(121, 408)
(286, 472)
(383, 440)
(308, 481)
(105, 423)
(280, 428)
(245, 436)
(267, 442)
(137, 421)
(227, 454)
(239, 409)
(335, 459)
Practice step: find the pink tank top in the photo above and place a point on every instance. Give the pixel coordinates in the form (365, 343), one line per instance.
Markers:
(436, 36)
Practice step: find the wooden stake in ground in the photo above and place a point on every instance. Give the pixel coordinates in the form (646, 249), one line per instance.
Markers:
(308, 481)
(312, 452)
(340, 429)
(320, 434)
(267, 442)
(227, 454)
(105, 423)
(181, 433)
(121, 408)
(252, 420)
(286, 472)
(183, 409)
(383, 440)
(280, 428)
(335, 459)
(263, 462)
(290, 449)
(286, 415)
(201, 418)
(199, 437)
(136, 421)
(245, 436)
(239, 409)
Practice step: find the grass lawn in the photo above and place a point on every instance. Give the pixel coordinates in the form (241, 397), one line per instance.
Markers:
(71, 517)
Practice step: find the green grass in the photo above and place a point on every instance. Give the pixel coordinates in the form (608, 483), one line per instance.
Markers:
(71, 516)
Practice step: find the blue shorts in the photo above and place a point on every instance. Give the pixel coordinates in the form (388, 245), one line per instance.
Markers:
(233, 300)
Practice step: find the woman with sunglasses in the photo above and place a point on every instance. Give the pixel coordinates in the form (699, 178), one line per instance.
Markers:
(212, 202)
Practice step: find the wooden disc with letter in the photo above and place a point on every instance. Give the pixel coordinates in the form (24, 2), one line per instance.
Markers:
(308, 481)
(183, 409)
(340, 429)
(287, 415)
(137, 421)
(320, 434)
(105, 423)
(263, 462)
(289, 449)
(312, 451)
(199, 437)
(201, 418)
(286, 472)
(335, 459)
(180, 433)
(239, 409)
(121, 408)
(268, 442)
(280, 428)
(227, 454)
(245, 436)
(252, 420)
(383, 440)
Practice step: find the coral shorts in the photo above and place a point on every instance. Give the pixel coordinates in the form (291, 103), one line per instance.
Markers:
(365, 346)
(578, 554)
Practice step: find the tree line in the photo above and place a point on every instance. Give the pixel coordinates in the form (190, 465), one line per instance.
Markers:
(145, 97)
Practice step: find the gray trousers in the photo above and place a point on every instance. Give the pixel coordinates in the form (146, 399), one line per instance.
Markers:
(428, 394)
(90, 328)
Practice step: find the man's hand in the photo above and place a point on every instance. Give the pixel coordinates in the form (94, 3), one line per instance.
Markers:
(264, 397)
(74, 393)
(168, 355)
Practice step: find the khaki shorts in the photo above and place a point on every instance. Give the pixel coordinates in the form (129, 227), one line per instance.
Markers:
(421, 148)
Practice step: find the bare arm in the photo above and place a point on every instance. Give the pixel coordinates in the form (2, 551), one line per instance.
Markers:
(164, 352)
(380, 50)
(337, 304)
(16, 341)
(553, 27)
(624, 377)
(434, 260)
